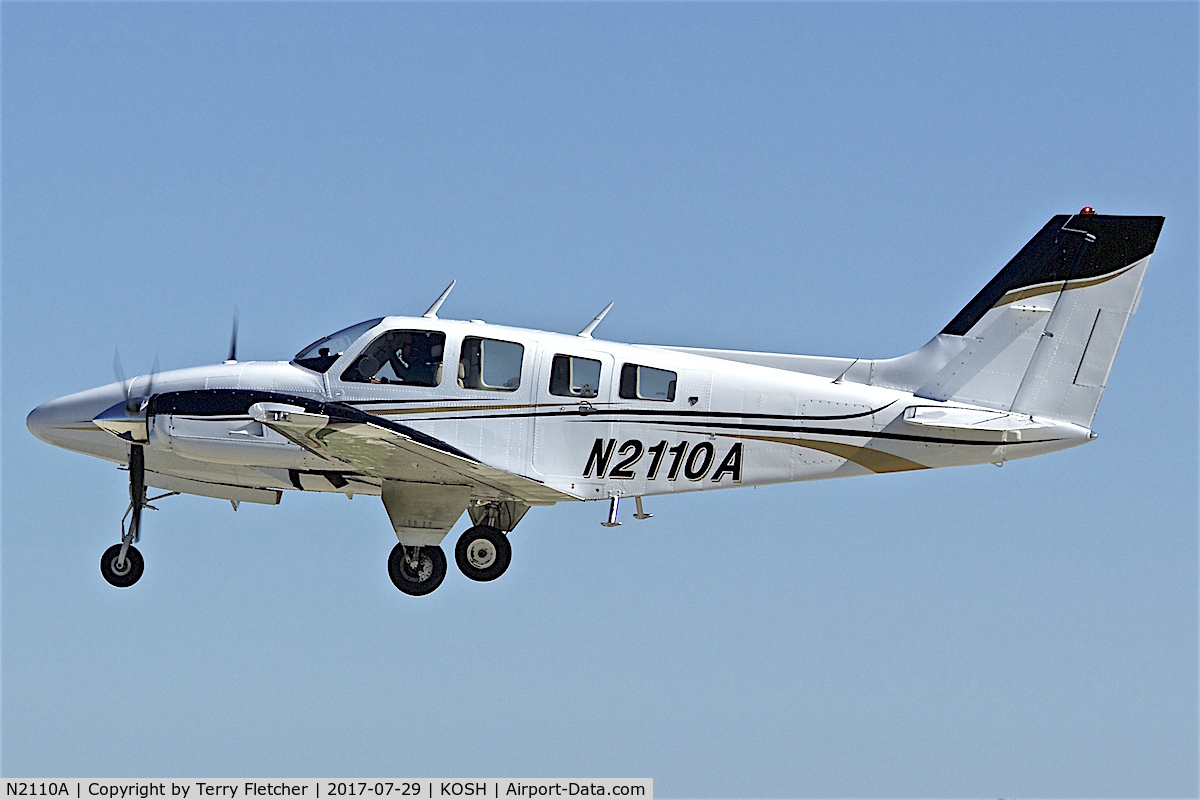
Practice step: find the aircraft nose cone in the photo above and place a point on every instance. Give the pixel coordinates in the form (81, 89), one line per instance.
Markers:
(48, 418)
(67, 421)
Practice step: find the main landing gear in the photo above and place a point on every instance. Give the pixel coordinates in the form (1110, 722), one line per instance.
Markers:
(482, 553)
(417, 570)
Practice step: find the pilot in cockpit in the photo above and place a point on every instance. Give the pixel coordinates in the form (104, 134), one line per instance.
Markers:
(414, 361)
(404, 357)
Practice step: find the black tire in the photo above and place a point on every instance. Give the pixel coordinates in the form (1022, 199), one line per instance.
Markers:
(483, 553)
(134, 565)
(430, 572)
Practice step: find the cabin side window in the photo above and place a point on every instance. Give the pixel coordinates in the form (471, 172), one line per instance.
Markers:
(647, 383)
(409, 358)
(490, 364)
(571, 376)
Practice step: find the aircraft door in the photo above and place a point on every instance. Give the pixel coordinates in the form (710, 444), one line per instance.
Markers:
(574, 390)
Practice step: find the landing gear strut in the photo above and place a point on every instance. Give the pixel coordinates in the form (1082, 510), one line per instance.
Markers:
(417, 570)
(483, 552)
(122, 564)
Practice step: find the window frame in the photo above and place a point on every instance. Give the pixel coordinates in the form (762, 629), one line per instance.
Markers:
(485, 387)
(570, 376)
(672, 386)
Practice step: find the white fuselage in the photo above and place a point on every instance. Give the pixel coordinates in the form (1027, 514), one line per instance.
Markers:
(725, 424)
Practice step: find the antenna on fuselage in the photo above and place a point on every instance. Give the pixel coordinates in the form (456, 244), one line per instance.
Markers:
(433, 309)
(586, 333)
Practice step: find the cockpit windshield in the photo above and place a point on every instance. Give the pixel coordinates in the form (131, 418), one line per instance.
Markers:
(320, 355)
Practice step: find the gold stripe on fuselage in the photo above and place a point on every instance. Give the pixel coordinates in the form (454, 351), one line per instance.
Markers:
(875, 460)
(391, 412)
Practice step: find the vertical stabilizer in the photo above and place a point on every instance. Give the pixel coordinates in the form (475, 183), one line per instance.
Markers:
(1041, 336)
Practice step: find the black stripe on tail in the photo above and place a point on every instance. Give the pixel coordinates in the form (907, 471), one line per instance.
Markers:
(1062, 251)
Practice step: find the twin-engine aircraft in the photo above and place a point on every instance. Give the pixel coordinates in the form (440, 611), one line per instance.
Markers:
(439, 417)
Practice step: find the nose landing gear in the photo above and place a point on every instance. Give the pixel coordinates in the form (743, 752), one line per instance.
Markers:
(122, 564)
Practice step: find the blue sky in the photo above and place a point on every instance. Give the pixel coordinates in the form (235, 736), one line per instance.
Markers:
(835, 179)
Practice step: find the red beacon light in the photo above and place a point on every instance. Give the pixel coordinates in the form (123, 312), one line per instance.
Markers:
(1088, 210)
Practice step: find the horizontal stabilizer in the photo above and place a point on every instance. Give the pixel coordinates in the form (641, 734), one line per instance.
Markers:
(971, 419)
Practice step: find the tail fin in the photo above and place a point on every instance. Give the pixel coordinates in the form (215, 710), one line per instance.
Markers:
(1040, 338)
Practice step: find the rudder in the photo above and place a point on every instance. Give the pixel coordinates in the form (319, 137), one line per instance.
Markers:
(1070, 367)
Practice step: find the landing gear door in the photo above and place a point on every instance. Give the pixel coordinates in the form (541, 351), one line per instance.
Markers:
(575, 390)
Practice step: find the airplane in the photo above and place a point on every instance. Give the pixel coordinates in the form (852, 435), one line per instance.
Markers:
(440, 416)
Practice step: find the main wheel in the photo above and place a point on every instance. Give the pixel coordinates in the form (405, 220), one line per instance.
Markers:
(122, 575)
(483, 553)
(422, 577)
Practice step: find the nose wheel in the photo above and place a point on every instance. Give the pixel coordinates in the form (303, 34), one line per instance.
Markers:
(122, 569)
(483, 553)
(417, 570)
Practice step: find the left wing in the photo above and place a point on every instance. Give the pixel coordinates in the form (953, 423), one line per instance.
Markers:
(390, 451)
